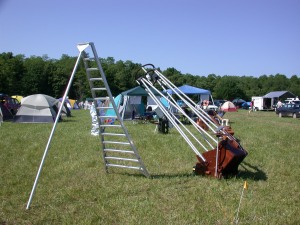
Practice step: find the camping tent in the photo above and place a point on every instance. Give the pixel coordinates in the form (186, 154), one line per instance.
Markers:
(73, 103)
(18, 97)
(37, 108)
(228, 107)
(131, 103)
(70, 103)
(190, 90)
(238, 102)
(111, 111)
(9, 106)
(6, 113)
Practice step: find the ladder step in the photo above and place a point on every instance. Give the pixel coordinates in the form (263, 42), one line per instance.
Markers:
(108, 117)
(123, 159)
(123, 166)
(114, 134)
(95, 79)
(100, 98)
(110, 125)
(104, 107)
(118, 150)
(92, 69)
(98, 89)
(89, 59)
(116, 142)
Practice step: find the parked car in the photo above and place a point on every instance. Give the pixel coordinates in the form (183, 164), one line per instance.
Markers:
(10, 103)
(290, 109)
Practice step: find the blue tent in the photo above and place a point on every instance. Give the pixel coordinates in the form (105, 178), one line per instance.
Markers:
(111, 112)
(189, 90)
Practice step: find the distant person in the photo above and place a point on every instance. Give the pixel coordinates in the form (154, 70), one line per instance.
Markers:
(279, 104)
(251, 106)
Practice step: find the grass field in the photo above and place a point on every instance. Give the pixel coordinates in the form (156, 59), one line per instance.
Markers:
(74, 189)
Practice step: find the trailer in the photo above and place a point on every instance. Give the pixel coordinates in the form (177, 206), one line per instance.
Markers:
(262, 103)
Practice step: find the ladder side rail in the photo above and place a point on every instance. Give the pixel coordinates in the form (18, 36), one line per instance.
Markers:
(116, 109)
(179, 122)
(171, 119)
(52, 132)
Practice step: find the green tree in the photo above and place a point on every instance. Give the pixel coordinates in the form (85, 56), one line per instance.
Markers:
(173, 75)
(11, 72)
(37, 75)
(294, 85)
(227, 88)
(63, 70)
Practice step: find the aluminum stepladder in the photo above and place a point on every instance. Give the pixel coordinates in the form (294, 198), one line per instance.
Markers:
(123, 144)
(117, 146)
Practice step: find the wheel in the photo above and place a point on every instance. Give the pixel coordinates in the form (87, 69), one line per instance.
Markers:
(294, 115)
(279, 114)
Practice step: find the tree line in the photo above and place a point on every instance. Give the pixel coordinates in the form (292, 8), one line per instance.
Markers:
(20, 75)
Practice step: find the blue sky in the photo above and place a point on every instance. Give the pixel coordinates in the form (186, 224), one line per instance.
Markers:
(200, 37)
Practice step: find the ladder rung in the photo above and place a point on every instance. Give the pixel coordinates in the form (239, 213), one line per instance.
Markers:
(113, 134)
(95, 79)
(110, 125)
(107, 116)
(123, 159)
(89, 59)
(116, 142)
(123, 166)
(104, 107)
(92, 69)
(98, 89)
(100, 98)
(118, 150)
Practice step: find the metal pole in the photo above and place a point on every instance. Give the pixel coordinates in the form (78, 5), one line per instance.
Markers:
(52, 132)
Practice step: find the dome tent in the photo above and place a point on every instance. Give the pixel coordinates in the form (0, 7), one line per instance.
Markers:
(38, 108)
(228, 107)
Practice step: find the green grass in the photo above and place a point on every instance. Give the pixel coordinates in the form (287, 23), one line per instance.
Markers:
(74, 189)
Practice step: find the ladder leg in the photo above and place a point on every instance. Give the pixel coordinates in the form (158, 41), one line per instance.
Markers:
(118, 149)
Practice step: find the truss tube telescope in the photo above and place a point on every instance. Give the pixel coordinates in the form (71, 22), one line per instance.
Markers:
(226, 152)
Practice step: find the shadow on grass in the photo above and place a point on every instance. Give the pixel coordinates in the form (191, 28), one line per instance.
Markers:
(156, 176)
(162, 176)
(252, 172)
(249, 172)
